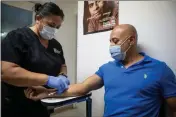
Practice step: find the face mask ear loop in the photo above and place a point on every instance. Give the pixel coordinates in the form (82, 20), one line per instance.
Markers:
(125, 41)
(128, 48)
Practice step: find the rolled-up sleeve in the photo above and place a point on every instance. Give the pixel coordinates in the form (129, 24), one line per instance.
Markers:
(99, 72)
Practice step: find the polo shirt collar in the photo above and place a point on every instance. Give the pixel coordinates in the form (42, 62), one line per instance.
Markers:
(146, 59)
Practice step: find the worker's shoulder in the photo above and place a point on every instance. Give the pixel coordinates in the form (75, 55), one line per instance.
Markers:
(18, 31)
(18, 35)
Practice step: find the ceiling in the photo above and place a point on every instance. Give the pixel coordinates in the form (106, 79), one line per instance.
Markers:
(41, 1)
(58, 1)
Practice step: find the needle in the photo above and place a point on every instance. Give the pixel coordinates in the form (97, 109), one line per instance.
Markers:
(52, 93)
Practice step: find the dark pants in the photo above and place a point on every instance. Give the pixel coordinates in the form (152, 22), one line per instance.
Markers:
(12, 113)
(35, 109)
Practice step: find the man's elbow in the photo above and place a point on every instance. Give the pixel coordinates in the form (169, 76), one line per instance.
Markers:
(82, 90)
(172, 107)
(77, 90)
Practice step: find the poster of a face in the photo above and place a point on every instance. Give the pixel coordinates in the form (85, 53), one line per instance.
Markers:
(100, 16)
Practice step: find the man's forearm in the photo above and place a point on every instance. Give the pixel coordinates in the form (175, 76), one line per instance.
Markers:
(93, 82)
(20, 77)
(73, 90)
(76, 90)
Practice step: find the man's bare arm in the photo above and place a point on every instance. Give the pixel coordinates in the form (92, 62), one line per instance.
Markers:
(172, 105)
(15, 75)
(174, 115)
(91, 83)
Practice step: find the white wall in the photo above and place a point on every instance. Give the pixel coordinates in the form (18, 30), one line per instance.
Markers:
(156, 24)
(67, 36)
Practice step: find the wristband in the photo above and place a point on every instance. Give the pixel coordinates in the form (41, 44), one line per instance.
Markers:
(63, 74)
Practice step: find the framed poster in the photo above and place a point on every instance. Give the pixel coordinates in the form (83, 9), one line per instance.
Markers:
(100, 16)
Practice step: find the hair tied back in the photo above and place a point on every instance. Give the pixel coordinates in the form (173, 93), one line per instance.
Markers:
(38, 7)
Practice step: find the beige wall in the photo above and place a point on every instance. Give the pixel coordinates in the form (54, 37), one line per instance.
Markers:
(67, 36)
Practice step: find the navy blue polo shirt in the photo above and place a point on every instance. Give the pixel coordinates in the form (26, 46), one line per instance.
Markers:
(138, 90)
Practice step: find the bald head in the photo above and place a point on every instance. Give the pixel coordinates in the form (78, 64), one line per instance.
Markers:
(123, 31)
(124, 35)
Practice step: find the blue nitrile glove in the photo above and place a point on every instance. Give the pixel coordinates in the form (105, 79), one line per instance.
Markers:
(60, 83)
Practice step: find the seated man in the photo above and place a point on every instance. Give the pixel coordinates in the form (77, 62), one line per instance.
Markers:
(135, 83)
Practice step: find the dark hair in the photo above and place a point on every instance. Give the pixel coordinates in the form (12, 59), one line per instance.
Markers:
(47, 9)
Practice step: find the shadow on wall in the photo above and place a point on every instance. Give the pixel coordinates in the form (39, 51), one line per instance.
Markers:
(145, 48)
(139, 47)
(142, 48)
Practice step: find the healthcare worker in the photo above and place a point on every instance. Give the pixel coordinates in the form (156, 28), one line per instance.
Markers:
(32, 57)
(135, 84)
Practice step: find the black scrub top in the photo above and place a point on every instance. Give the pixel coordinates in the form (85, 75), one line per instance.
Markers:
(22, 46)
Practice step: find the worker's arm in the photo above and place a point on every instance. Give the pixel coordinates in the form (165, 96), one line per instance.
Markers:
(15, 75)
(14, 48)
(92, 83)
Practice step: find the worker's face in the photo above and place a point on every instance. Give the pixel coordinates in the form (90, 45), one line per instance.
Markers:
(51, 21)
(118, 37)
(96, 8)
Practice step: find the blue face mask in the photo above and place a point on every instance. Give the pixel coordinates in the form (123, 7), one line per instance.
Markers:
(47, 32)
(117, 53)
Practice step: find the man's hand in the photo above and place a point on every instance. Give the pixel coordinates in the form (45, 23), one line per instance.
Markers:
(38, 92)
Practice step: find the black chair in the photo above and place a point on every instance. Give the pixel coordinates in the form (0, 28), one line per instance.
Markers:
(50, 109)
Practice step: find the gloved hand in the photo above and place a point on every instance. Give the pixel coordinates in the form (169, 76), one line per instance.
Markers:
(60, 83)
